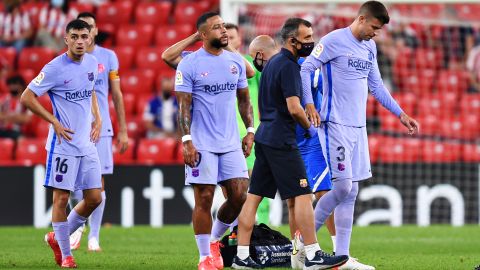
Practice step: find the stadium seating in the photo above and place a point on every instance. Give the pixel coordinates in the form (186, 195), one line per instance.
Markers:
(406, 100)
(149, 58)
(135, 127)
(169, 35)
(429, 124)
(179, 154)
(428, 11)
(439, 152)
(468, 12)
(33, 9)
(9, 54)
(125, 55)
(390, 122)
(426, 58)
(115, 13)
(142, 102)
(188, 12)
(453, 81)
(440, 104)
(81, 7)
(35, 58)
(471, 153)
(134, 35)
(126, 157)
(27, 74)
(374, 142)
(154, 13)
(137, 81)
(31, 151)
(470, 105)
(400, 150)
(41, 129)
(159, 151)
(7, 146)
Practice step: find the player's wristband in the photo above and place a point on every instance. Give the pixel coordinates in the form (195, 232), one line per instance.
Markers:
(186, 138)
(251, 130)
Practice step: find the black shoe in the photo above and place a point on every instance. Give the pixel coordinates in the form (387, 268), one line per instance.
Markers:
(248, 263)
(324, 260)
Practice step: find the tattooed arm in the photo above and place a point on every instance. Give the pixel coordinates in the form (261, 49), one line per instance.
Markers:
(190, 154)
(246, 111)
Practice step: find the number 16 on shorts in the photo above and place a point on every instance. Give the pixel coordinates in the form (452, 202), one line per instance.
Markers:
(61, 171)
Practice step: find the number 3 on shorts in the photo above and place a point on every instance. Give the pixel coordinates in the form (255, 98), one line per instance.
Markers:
(61, 165)
(341, 153)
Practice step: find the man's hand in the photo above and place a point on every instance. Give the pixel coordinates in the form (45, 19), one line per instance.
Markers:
(190, 154)
(247, 144)
(312, 114)
(410, 123)
(61, 131)
(122, 141)
(95, 132)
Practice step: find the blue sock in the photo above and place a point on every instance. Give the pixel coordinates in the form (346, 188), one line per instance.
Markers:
(63, 237)
(75, 221)
(96, 219)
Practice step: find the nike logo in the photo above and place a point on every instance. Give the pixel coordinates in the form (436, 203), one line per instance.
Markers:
(295, 250)
(319, 261)
(67, 81)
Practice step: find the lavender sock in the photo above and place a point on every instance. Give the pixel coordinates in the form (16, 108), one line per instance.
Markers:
(234, 223)
(63, 237)
(203, 244)
(96, 219)
(344, 222)
(75, 221)
(218, 229)
(328, 202)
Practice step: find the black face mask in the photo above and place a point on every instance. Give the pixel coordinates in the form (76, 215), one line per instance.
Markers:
(259, 63)
(167, 95)
(305, 48)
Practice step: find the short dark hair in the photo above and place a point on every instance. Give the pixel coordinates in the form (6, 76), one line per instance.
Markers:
(290, 28)
(77, 25)
(376, 10)
(87, 15)
(16, 79)
(229, 26)
(204, 17)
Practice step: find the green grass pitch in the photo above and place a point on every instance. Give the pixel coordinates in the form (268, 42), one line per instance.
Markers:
(173, 247)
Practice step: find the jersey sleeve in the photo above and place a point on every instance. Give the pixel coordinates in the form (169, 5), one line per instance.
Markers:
(44, 81)
(184, 77)
(113, 66)
(378, 89)
(242, 79)
(290, 81)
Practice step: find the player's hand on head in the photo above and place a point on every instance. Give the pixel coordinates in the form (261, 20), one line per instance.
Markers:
(62, 132)
(412, 125)
(312, 114)
(95, 132)
(247, 144)
(190, 154)
(122, 141)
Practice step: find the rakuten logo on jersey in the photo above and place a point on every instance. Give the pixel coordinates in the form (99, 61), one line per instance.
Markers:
(219, 88)
(79, 95)
(359, 64)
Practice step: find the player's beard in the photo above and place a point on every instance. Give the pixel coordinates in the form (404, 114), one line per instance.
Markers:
(217, 43)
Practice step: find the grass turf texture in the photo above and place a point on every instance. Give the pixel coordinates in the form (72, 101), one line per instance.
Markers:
(173, 247)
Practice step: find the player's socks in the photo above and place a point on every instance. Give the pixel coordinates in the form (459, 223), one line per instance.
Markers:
(310, 250)
(243, 252)
(234, 223)
(334, 244)
(75, 221)
(203, 244)
(344, 221)
(96, 219)
(328, 202)
(218, 229)
(62, 236)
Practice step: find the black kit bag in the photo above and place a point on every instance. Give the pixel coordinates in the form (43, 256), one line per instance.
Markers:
(267, 247)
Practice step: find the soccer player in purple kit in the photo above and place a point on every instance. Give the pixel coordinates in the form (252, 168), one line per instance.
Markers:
(72, 160)
(108, 79)
(208, 83)
(348, 60)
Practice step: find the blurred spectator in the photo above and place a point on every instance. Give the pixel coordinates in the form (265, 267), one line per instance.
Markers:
(12, 114)
(473, 66)
(161, 112)
(15, 27)
(52, 21)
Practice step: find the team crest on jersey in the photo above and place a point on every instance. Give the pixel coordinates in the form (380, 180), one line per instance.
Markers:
(91, 76)
(233, 69)
(370, 56)
(195, 172)
(59, 178)
(341, 167)
(101, 68)
(39, 78)
(178, 78)
(318, 50)
(303, 183)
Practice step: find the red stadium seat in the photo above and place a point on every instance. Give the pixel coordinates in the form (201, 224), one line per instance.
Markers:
(160, 151)
(188, 12)
(371, 103)
(456, 127)
(154, 13)
(137, 81)
(142, 102)
(440, 104)
(468, 11)
(426, 58)
(429, 124)
(41, 129)
(110, 31)
(471, 130)
(31, 151)
(35, 58)
(169, 35)
(453, 81)
(115, 13)
(151, 58)
(419, 82)
(27, 74)
(127, 156)
(438, 152)
(33, 9)
(179, 154)
(8, 54)
(374, 142)
(401, 66)
(135, 35)
(470, 104)
(81, 7)
(402, 10)
(471, 153)
(428, 11)
(7, 146)
(390, 122)
(125, 56)
(407, 102)
(400, 150)
(46, 103)
(135, 127)
(128, 104)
